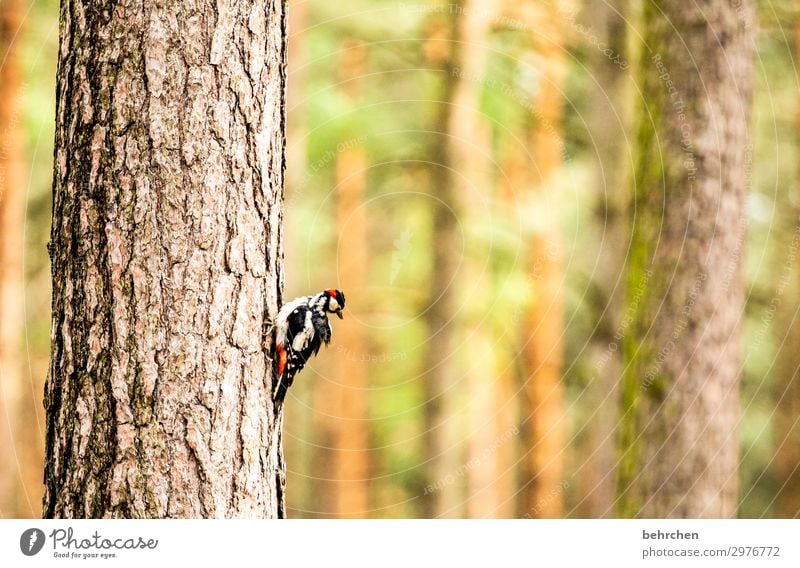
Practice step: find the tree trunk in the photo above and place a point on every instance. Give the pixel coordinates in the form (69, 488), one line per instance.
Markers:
(543, 407)
(352, 468)
(608, 123)
(352, 442)
(787, 390)
(167, 256)
(443, 495)
(685, 287)
(469, 136)
(14, 396)
(513, 180)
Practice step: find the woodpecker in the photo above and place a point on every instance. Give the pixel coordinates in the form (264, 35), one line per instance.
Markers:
(301, 329)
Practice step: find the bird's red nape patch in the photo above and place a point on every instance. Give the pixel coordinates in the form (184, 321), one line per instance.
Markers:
(331, 292)
(282, 358)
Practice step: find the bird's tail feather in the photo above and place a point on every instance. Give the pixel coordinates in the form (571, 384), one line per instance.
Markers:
(284, 382)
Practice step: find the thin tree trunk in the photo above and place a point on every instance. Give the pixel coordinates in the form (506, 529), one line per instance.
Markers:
(352, 467)
(506, 426)
(514, 179)
(607, 125)
(324, 485)
(167, 255)
(787, 390)
(13, 391)
(443, 493)
(543, 409)
(469, 136)
(680, 388)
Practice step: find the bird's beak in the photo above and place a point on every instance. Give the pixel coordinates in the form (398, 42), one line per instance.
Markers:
(341, 317)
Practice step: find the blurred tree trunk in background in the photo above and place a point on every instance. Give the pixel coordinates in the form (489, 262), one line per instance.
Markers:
(607, 125)
(543, 410)
(514, 185)
(469, 136)
(513, 180)
(443, 495)
(685, 285)
(350, 377)
(20, 486)
(166, 248)
(787, 389)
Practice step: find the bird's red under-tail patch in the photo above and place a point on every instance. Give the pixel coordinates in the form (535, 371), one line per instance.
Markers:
(282, 358)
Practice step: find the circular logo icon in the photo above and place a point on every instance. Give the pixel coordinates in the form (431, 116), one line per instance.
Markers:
(31, 542)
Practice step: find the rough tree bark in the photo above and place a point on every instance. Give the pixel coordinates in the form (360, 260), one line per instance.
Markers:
(166, 251)
(685, 287)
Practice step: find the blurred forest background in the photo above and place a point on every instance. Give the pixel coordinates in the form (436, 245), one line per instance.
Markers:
(472, 204)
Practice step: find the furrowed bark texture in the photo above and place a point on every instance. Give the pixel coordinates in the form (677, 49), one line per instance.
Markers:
(685, 287)
(166, 251)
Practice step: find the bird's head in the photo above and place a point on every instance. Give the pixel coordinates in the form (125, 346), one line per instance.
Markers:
(335, 302)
